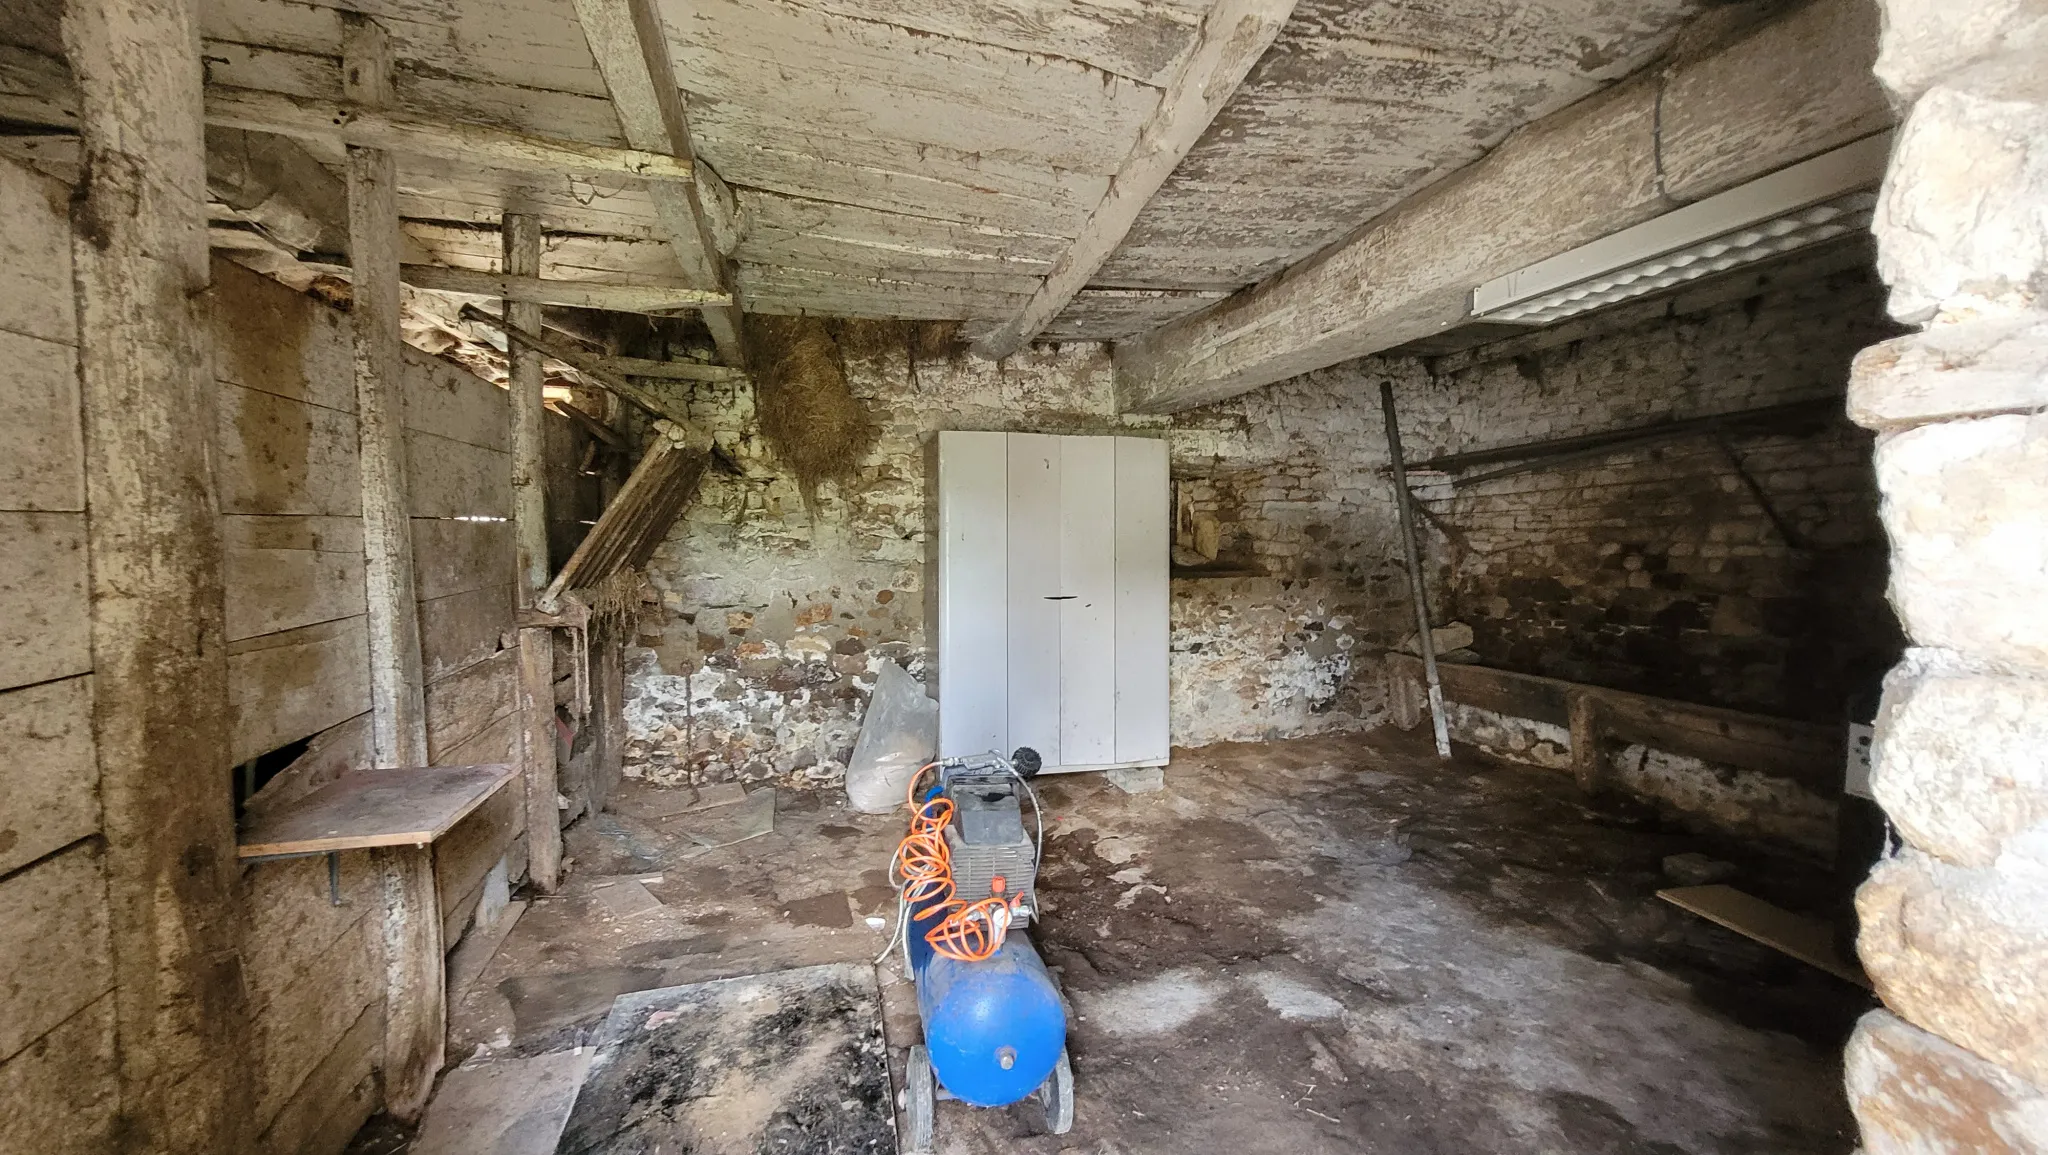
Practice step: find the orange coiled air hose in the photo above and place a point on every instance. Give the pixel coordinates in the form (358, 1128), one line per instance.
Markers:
(971, 931)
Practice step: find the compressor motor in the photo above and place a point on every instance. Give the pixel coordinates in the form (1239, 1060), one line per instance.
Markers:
(994, 1024)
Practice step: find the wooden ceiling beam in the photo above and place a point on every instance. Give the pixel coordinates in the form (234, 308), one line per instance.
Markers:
(669, 370)
(1789, 88)
(616, 296)
(631, 49)
(1234, 35)
(311, 119)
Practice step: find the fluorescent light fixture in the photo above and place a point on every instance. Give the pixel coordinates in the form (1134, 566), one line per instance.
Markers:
(1815, 200)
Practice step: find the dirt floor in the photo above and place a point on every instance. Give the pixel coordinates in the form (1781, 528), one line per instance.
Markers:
(1321, 945)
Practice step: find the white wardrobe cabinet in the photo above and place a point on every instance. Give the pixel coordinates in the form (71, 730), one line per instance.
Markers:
(1052, 599)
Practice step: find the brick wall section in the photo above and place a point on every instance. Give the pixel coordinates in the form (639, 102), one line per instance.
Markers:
(1657, 570)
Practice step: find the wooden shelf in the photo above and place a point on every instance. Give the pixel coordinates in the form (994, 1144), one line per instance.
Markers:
(367, 808)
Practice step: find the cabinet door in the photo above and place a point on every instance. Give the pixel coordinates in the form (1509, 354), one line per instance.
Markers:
(1033, 568)
(1087, 601)
(973, 621)
(1143, 596)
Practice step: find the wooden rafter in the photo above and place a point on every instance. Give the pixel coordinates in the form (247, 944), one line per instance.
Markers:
(631, 49)
(1233, 37)
(669, 370)
(617, 296)
(588, 364)
(406, 132)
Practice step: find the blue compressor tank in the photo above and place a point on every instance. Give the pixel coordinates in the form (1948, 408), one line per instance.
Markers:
(994, 1028)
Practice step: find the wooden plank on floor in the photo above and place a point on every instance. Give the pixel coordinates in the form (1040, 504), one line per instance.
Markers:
(1809, 940)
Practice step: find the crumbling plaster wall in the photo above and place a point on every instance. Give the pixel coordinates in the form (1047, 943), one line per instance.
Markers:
(774, 618)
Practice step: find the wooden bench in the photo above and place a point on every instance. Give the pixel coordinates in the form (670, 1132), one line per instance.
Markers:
(1807, 753)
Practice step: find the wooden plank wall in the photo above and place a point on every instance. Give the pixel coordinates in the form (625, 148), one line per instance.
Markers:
(57, 1088)
(298, 666)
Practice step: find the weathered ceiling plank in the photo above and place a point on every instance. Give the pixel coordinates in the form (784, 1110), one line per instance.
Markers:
(524, 43)
(407, 132)
(785, 290)
(1597, 167)
(566, 257)
(582, 294)
(632, 52)
(1358, 106)
(855, 167)
(1139, 39)
(1100, 314)
(875, 79)
(796, 231)
(1233, 37)
(540, 111)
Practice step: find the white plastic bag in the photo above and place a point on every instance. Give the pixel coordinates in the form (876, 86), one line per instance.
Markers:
(900, 734)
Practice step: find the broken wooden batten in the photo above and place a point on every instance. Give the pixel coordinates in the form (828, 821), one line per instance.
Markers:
(637, 520)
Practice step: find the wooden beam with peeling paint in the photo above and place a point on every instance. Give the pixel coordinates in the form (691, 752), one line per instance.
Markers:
(631, 50)
(588, 364)
(364, 127)
(415, 1004)
(1786, 90)
(1234, 35)
(617, 296)
(669, 370)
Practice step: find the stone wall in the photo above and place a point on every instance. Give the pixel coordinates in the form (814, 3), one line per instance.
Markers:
(774, 614)
(1955, 927)
(1661, 570)
(1656, 572)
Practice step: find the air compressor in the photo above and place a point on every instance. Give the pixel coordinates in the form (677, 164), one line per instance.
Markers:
(995, 1026)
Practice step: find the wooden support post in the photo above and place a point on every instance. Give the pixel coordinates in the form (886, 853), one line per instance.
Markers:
(160, 707)
(1412, 550)
(1584, 712)
(415, 1002)
(398, 711)
(530, 531)
(529, 411)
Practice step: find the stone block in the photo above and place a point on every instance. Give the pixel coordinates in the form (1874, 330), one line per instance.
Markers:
(1919, 1094)
(1137, 779)
(1958, 757)
(1959, 226)
(1925, 40)
(1963, 953)
(1993, 364)
(1966, 505)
